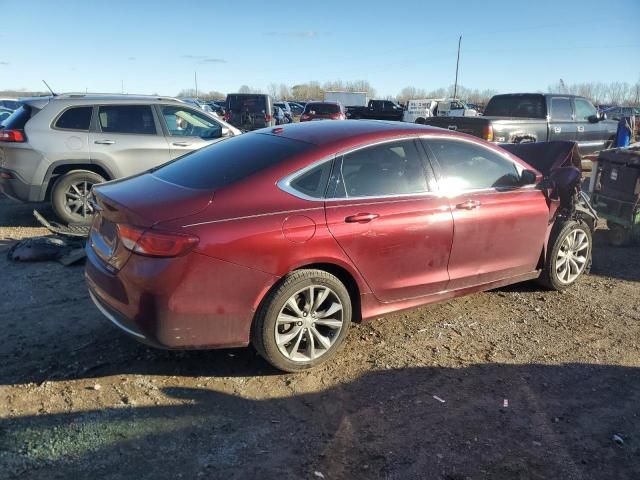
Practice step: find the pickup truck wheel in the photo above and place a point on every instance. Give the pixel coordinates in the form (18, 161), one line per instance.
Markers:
(303, 321)
(70, 196)
(568, 257)
(420, 120)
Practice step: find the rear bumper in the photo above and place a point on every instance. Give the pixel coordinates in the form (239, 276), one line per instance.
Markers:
(17, 188)
(190, 302)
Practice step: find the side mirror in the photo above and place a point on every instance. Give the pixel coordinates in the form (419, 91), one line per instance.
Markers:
(594, 118)
(527, 177)
(225, 131)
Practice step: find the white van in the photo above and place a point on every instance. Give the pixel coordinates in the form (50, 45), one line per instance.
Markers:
(418, 110)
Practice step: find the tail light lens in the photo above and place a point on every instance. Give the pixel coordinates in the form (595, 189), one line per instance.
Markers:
(487, 133)
(267, 118)
(155, 243)
(12, 136)
(226, 117)
(304, 116)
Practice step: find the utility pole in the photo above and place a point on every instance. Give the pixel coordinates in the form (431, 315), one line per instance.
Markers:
(455, 85)
(195, 78)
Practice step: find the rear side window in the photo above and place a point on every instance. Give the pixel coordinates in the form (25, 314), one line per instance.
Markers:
(523, 106)
(314, 182)
(136, 119)
(561, 109)
(229, 161)
(464, 166)
(393, 168)
(322, 108)
(247, 103)
(18, 119)
(77, 118)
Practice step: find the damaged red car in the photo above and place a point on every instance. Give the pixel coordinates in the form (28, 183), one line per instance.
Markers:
(283, 237)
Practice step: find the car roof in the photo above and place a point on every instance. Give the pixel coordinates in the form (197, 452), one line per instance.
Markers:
(90, 98)
(348, 131)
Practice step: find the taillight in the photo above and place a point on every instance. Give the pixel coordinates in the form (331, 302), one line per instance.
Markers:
(155, 243)
(487, 133)
(304, 117)
(12, 136)
(267, 118)
(226, 117)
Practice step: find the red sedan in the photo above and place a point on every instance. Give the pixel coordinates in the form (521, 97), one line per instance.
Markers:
(323, 111)
(282, 237)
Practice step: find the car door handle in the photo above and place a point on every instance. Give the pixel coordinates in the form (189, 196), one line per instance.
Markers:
(181, 144)
(580, 128)
(104, 142)
(361, 218)
(468, 205)
(557, 129)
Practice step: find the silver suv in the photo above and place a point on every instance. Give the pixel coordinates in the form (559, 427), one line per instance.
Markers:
(55, 148)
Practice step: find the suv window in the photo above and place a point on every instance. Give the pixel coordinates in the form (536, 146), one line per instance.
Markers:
(184, 122)
(584, 109)
(464, 166)
(322, 108)
(522, 106)
(247, 103)
(393, 168)
(76, 118)
(229, 161)
(126, 119)
(561, 109)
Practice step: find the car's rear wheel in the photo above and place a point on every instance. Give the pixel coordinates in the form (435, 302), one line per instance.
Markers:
(70, 196)
(569, 255)
(303, 321)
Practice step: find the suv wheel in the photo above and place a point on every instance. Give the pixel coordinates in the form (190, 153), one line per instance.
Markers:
(70, 196)
(569, 255)
(303, 321)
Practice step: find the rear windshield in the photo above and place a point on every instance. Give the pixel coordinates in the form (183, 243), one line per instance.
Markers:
(322, 108)
(524, 106)
(230, 160)
(18, 119)
(247, 103)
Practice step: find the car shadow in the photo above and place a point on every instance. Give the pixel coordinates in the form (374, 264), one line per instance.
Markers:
(615, 262)
(494, 421)
(16, 214)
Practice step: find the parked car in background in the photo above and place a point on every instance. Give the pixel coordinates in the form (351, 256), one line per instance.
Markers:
(249, 111)
(537, 117)
(286, 109)
(279, 115)
(57, 148)
(283, 237)
(418, 110)
(322, 111)
(4, 114)
(376, 110)
(217, 107)
(10, 103)
(200, 104)
(296, 108)
(616, 113)
(452, 107)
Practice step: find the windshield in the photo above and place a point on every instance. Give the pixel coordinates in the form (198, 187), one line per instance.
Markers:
(523, 106)
(229, 161)
(247, 103)
(322, 108)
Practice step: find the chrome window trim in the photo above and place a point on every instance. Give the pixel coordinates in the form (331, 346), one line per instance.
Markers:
(285, 183)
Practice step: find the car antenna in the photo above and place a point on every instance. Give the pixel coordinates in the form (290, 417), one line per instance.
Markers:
(52, 92)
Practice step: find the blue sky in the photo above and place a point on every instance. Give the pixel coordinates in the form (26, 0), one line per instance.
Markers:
(156, 46)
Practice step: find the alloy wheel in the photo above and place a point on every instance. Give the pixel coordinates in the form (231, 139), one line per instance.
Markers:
(76, 199)
(572, 256)
(309, 323)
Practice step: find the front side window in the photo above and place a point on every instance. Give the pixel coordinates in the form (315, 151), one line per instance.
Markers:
(77, 118)
(584, 110)
(136, 119)
(464, 166)
(393, 168)
(184, 122)
(561, 109)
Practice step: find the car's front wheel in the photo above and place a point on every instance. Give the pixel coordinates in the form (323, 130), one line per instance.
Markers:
(303, 321)
(70, 196)
(569, 255)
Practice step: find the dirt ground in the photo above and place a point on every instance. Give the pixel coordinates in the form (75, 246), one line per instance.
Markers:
(516, 383)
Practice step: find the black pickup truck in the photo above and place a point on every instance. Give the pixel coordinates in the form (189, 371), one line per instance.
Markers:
(536, 117)
(376, 110)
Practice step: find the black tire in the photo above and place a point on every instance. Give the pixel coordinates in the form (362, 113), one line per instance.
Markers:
(71, 210)
(263, 332)
(619, 235)
(420, 121)
(550, 277)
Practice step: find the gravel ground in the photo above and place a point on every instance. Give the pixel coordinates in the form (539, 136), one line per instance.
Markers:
(516, 383)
